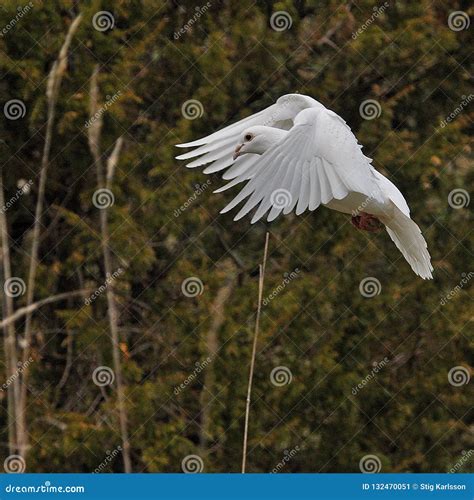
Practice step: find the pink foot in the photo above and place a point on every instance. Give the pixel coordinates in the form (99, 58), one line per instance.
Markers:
(367, 222)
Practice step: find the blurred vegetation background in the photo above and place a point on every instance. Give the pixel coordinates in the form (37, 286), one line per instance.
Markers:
(317, 325)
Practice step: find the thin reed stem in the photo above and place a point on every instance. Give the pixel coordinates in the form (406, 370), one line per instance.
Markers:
(261, 278)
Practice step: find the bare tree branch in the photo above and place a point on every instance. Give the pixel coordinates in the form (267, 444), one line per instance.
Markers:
(52, 92)
(29, 310)
(94, 131)
(112, 161)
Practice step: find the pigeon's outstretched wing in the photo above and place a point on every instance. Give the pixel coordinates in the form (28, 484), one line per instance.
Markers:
(318, 160)
(217, 148)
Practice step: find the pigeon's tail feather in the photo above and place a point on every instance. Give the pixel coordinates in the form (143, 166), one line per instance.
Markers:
(408, 238)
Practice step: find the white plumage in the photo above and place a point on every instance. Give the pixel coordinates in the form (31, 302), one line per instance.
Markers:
(296, 155)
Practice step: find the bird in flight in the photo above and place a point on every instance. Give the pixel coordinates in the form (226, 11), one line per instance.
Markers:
(296, 155)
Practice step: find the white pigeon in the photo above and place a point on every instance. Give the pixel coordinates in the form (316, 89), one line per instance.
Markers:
(296, 155)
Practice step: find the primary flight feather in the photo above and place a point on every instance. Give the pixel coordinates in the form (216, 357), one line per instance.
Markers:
(296, 155)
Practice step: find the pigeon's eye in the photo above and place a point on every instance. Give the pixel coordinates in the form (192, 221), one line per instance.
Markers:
(248, 137)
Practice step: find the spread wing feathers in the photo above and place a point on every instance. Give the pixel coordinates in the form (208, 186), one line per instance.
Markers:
(218, 147)
(318, 160)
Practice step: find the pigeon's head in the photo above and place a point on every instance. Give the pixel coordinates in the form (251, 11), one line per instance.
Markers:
(257, 140)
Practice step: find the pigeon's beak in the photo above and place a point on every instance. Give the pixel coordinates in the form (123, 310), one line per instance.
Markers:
(237, 151)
